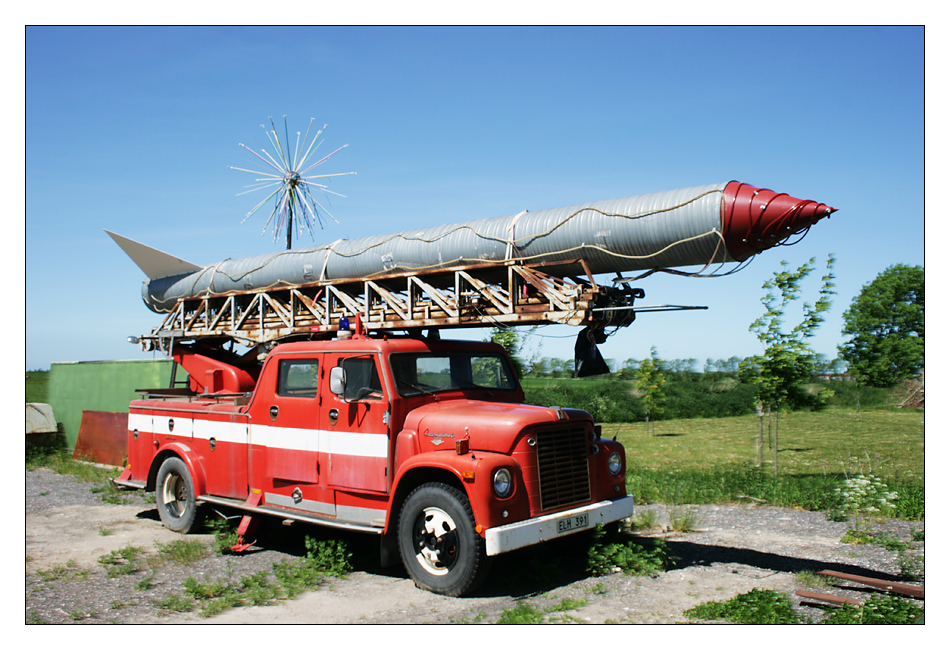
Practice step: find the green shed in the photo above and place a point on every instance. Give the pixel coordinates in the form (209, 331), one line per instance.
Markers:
(101, 386)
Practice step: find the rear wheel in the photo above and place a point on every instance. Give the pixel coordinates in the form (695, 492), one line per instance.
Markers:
(175, 495)
(437, 539)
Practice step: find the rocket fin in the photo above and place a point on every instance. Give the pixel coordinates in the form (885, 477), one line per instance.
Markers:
(154, 263)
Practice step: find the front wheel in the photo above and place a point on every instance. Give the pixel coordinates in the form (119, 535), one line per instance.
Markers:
(175, 495)
(437, 539)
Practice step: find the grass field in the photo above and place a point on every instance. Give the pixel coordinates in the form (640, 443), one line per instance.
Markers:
(37, 386)
(883, 442)
(714, 460)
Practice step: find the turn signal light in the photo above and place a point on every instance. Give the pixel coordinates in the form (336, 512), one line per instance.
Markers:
(461, 446)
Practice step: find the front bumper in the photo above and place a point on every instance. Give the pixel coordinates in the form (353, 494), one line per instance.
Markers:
(519, 534)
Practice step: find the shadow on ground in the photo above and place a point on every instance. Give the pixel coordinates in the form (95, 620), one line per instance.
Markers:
(692, 554)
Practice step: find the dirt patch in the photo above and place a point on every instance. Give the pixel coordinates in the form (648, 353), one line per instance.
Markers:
(83, 533)
(737, 548)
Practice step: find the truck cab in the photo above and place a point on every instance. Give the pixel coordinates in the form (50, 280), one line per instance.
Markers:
(426, 443)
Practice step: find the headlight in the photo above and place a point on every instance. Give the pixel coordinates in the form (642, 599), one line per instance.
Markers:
(614, 463)
(501, 483)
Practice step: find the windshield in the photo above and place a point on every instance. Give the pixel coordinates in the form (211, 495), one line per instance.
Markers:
(429, 372)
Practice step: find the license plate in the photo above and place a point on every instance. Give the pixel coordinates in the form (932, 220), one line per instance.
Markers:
(575, 522)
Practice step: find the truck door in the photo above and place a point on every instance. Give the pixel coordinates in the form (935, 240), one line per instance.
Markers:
(357, 425)
(291, 435)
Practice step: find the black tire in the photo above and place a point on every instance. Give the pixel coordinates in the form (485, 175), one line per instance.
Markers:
(175, 496)
(438, 543)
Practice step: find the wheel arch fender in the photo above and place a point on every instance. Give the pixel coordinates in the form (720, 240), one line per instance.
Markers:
(187, 456)
(425, 468)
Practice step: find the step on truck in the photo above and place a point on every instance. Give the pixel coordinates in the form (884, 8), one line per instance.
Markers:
(425, 443)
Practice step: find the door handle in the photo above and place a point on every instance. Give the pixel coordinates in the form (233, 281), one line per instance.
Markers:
(273, 413)
(334, 416)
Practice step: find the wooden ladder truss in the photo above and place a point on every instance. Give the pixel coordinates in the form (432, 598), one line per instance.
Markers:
(469, 296)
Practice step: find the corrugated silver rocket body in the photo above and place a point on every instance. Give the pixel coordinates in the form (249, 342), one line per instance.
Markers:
(662, 230)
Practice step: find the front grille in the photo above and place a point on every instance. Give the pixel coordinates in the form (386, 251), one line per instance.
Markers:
(562, 466)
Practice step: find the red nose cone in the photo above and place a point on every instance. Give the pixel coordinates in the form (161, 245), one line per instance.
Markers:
(755, 219)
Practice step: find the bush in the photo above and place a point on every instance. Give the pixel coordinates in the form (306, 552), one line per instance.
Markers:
(616, 401)
(848, 394)
(708, 399)
(606, 401)
(689, 395)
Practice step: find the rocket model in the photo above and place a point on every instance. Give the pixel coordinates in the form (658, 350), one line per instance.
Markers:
(710, 224)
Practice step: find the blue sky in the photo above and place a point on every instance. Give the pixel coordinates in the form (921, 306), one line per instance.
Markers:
(133, 129)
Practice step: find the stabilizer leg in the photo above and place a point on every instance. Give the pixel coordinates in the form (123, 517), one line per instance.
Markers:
(247, 528)
(248, 525)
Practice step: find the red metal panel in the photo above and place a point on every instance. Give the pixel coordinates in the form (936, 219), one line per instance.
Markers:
(102, 437)
(141, 448)
(358, 472)
(292, 465)
(225, 467)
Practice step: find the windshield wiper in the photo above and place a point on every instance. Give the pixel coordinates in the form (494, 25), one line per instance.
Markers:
(420, 389)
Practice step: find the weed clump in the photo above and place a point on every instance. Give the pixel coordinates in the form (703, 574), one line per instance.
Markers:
(525, 614)
(878, 609)
(332, 557)
(909, 557)
(182, 551)
(121, 562)
(289, 580)
(225, 535)
(627, 556)
(755, 607)
(766, 606)
(68, 572)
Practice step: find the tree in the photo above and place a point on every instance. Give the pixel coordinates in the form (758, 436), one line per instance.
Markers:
(649, 386)
(885, 323)
(512, 341)
(787, 361)
(629, 369)
(731, 365)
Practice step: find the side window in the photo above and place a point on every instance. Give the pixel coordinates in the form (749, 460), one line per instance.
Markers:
(362, 379)
(297, 378)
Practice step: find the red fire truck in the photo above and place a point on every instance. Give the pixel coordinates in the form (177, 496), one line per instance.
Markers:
(423, 442)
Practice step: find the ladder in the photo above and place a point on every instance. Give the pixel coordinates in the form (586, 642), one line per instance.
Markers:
(488, 295)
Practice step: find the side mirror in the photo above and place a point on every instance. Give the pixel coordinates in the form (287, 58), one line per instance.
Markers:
(337, 380)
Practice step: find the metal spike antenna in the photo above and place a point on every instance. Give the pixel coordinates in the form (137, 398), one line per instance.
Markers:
(316, 140)
(283, 176)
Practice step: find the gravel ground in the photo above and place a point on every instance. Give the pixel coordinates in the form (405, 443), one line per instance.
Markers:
(736, 548)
